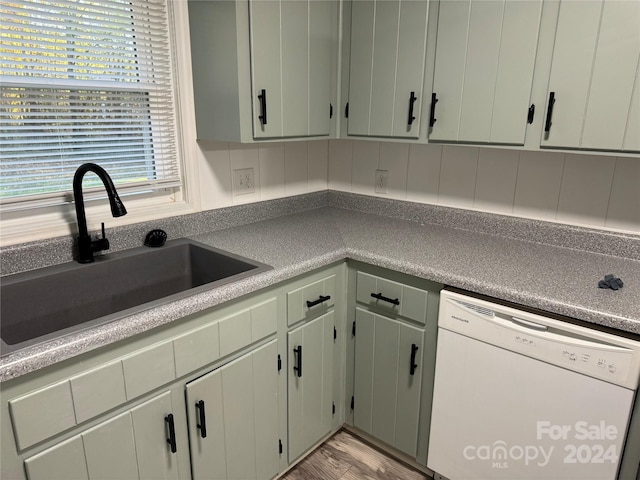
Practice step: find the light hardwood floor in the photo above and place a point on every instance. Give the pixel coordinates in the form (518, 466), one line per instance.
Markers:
(346, 457)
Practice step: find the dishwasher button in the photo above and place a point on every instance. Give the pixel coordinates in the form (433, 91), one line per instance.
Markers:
(612, 368)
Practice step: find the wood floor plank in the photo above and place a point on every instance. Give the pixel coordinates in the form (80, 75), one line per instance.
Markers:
(322, 464)
(369, 461)
(346, 457)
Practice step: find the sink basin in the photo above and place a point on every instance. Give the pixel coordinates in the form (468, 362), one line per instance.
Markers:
(54, 301)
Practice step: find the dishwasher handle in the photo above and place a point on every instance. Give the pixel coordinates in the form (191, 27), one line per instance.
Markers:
(528, 324)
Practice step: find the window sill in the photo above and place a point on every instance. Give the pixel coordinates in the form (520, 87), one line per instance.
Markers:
(22, 227)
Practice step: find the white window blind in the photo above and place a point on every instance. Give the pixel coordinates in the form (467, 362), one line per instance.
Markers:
(84, 81)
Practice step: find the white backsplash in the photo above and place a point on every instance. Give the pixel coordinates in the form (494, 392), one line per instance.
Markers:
(576, 189)
(281, 170)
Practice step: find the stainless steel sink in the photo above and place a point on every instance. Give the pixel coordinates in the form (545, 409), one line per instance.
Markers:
(51, 302)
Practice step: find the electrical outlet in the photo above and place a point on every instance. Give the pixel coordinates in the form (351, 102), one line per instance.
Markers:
(382, 177)
(243, 181)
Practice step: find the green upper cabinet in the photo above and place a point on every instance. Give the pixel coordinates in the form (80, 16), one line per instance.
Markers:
(263, 69)
(594, 89)
(386, 74)
(485, 57)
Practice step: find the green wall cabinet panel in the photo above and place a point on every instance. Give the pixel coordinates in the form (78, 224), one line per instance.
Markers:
(485, 56)
(262, 69)
(386, 74)
(594, 77)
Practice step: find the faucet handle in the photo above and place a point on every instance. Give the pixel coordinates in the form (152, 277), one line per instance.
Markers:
(101, 243)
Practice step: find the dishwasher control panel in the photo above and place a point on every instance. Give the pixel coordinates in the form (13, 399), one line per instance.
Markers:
(591, 352)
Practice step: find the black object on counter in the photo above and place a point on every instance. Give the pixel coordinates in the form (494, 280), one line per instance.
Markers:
(155, 238)
(612, 282)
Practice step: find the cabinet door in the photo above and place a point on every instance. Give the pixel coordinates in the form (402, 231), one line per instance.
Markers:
(593, 73)
(131, 445)
(291, 66)
(64, 461)
(233, 418)
(485, 56)
(386, 386)
(388, 41)
(310, 383)
(266, 68)
(151, 431)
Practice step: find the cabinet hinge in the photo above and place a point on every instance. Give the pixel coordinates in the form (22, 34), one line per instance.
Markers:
(279, 363)
(346, 110)
(335, 333)
(333, 408)
(330, 110)
(531, 113)
(352, 402)
(280, 446)
(353, 329)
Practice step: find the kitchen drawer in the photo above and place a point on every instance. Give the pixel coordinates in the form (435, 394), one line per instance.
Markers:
(392, 298)
(308, 300)
(42, 414)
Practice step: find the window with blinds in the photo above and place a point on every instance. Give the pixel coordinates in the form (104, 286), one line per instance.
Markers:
(84, 81)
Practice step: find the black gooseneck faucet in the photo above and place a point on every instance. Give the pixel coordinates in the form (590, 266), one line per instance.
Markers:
(86, 246)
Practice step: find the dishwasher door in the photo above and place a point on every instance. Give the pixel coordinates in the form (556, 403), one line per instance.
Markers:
(498, 414)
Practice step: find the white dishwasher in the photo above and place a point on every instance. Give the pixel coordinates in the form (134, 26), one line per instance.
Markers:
(522, 396)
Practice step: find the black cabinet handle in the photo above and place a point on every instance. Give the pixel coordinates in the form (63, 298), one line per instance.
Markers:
(413, 366)
(432, 116)
(412, 100)
(172, 433)
(330, 110)
(202, 421)
(379, 296)
(552, 100)
(320, 300)
(298, 366)
(531, 113)
(263, 106)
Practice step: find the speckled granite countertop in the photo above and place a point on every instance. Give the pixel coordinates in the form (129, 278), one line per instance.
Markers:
(554, 278)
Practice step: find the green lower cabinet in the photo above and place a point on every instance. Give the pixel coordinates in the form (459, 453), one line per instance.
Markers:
(131, 445)
(387, 379)
(311, 352)
(233, 419)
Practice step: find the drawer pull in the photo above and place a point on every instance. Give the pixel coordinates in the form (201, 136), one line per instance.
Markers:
(379, 296)
(320, 300)
(202, 425)
(172, 433)
(298, 365)
(413, 366)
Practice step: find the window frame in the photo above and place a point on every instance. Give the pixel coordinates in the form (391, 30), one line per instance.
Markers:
(40, 223)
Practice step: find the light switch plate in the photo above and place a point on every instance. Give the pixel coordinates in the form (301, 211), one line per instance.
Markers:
(243, 181)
